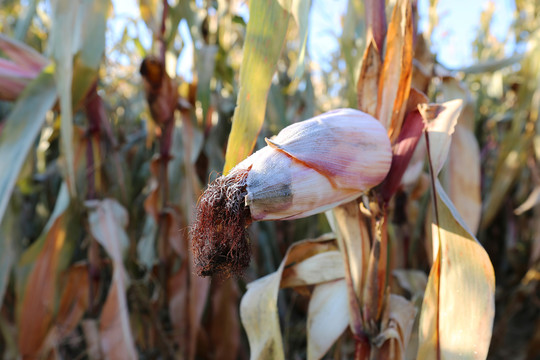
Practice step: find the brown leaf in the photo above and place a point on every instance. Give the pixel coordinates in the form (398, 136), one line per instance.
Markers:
(161, 90)
(177, 290)
(459, 303)
(73, 304)
(396, 74)
(188, 295)
(38, 308)
(225, 327)
(368, 80)
(322, 267)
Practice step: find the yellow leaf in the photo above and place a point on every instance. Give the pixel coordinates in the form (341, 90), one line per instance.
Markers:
(459, 303)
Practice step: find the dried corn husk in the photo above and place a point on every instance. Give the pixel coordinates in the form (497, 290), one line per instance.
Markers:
(315, 165)
(309, 167)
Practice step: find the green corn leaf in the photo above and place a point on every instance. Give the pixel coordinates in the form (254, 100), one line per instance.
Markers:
(21, 128)
(265, 36)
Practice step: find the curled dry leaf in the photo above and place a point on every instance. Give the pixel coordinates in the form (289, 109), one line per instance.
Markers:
(161, 91)
(440, 121)
(108, 220)
(328, 317)
(40, 292)
(326, 266)
(532, 200)
(73, 304)
(353, 238)
(258, 308)
(413, 281)
(396, 326)
(368, 80)
(309, 167)
(396, 73)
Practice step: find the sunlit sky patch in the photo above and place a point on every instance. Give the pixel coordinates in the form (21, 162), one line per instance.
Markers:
(452, 39)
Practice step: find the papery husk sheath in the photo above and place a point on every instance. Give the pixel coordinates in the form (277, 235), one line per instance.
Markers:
(309, 167)
(315, 165)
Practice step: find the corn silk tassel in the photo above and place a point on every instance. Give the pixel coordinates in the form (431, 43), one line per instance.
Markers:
(309, 167)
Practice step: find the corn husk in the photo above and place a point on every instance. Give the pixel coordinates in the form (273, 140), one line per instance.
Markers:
(317, 164)
(309, 167)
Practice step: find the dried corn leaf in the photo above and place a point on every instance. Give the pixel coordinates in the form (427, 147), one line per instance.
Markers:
(225, 328)
(73, 304)
(463, 176)
(532, 200)
(368, 80)
(396, 73)
(396, 325)
(265, 35)
(441, 120)
(328, 317)
(459, 304)
(259, 314)
(108, 220)
(413, 281)
(258, 308)
(38, 307)
(354, 242)
(326, 266)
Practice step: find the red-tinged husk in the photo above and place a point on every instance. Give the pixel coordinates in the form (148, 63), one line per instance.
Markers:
(403, 152)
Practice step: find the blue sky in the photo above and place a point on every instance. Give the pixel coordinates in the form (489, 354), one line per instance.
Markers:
(452, 39)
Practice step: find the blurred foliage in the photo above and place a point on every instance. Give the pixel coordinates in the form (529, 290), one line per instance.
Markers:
(84, 162)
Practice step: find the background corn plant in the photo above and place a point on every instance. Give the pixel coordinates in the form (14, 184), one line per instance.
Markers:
(100, 170)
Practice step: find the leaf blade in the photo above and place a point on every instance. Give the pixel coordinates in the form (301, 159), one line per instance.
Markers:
(21, 128)
(265, 36)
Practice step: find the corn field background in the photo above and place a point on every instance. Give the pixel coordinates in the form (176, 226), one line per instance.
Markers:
(105, 150)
